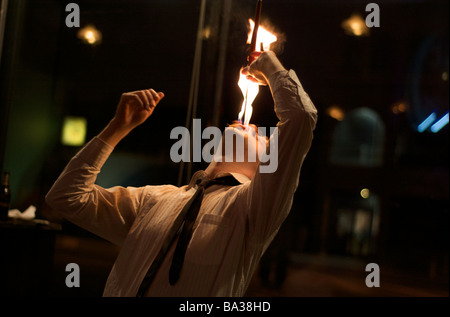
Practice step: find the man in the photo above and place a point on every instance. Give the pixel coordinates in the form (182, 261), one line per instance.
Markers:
(235, 224)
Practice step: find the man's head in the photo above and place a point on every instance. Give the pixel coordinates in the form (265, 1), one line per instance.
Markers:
(239, 151)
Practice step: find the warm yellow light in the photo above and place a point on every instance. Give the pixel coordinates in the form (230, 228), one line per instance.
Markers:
(90, 35)
(74, 131)
(355, 25)
(399, 107)
(206, 33)
(365, 193)
(336, 113)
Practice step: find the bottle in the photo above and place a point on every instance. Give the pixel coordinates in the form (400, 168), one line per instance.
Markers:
(5, 197)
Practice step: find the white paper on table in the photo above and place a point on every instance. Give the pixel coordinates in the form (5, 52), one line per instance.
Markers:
(27, 214)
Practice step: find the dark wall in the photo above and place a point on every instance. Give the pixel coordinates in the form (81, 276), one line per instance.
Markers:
(48, 73)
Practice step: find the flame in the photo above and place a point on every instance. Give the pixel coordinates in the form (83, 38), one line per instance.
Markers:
(263, 36)
(250, 89)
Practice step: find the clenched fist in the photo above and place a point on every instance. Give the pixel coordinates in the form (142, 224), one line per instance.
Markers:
(135, 107)
(260, 70)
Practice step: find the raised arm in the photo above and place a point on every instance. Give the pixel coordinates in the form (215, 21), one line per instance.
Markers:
(271, 192)
(134, 109)
(108, 213)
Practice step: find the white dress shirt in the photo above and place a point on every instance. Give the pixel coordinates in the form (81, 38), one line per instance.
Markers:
(234, 227)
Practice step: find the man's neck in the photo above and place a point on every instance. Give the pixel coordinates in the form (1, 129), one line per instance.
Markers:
(215, 169)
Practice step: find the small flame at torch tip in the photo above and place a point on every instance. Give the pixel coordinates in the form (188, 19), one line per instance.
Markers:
(263, 39)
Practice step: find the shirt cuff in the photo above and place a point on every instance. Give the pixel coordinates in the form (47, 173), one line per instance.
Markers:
(95, 153)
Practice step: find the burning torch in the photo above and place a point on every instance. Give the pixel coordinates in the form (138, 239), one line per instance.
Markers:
(251, 58)
(260, 40)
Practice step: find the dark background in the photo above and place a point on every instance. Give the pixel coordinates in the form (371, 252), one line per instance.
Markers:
(47, 73)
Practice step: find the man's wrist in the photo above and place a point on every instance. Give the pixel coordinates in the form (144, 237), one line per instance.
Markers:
(271, 66)
(272, 69)
(114, 132)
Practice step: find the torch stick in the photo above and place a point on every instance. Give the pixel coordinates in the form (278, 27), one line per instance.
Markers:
(250, 59)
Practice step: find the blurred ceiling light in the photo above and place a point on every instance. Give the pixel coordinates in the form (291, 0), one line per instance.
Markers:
(365, 193)
(444, 76)
(336, 113)
(426, 123)
(74, 131)
(438, 125)
(355, 25)
(399, 107)
(90, 35)
(206, 33)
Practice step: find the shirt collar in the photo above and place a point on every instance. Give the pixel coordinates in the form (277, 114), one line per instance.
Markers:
(200, 175)
(241, 178)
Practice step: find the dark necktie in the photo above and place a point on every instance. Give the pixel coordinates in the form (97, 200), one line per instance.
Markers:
(181, 227)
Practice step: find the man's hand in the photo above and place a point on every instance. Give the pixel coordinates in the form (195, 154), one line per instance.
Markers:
(263, 67)
(134, 109)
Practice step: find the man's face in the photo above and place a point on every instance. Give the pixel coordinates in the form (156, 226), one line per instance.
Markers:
(253, 142)
(240, 149)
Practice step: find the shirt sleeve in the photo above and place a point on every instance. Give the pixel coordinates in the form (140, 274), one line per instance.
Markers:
(107, 213)
(271, 191)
